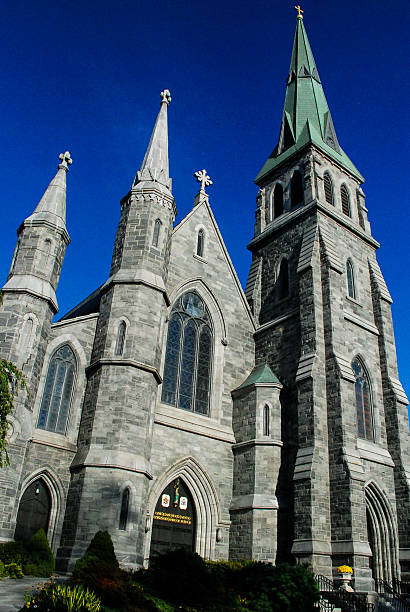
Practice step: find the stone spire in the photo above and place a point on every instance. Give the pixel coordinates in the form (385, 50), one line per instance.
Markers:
(52, 206)
(155, 166)
(306, 115)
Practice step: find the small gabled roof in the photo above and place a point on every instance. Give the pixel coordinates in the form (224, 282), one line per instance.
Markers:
(306, 116)
(260, 374)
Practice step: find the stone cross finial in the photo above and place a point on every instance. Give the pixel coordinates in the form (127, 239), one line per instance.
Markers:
(300, 12)
(165, 96)
(65, 159)
(202, 177)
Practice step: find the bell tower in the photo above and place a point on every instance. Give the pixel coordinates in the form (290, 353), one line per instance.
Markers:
(325, 329)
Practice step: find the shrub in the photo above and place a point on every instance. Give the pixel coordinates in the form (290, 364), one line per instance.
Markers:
(41, 559)
(98, 562)
(2, 570)
(13, 552)
(13, 570)
(62, 598)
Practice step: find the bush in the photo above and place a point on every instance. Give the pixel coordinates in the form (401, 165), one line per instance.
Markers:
(13, 570)
(13, 552)
(62, 598)
(98, 562)
(41, 560)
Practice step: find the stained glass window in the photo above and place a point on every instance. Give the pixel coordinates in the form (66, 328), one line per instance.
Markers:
(328, 185)
(125, 501)
(200, 243)
(296, 189)
(58, 391)
(188, 357)
(155, 236)
(351, 290)
(344, 194)
(363, 396)
(119, 345)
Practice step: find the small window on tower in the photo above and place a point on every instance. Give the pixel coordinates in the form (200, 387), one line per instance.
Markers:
(296, 189)
(351, 290)
(277, 201)
(359, 211)
(157, 229)
(364, 404)
(125, 502)
(119, 345)
(344, 194)
(266, 420)
(328, 185)
(200, 243)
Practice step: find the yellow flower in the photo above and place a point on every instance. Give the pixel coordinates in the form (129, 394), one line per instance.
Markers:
(344, 569)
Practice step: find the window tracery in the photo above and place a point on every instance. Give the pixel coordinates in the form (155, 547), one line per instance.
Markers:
(364, 408)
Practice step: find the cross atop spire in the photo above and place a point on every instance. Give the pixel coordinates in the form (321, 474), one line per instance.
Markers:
(65, 160)
(154, 168)
(300, 12)
(203, 178)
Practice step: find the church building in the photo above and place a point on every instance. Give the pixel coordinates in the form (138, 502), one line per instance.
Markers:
(173, 409)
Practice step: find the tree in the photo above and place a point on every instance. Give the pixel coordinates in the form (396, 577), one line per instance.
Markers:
(10, 380)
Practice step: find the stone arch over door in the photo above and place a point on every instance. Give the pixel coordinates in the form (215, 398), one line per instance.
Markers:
(50, 487)
(205, 501)
(382, 534)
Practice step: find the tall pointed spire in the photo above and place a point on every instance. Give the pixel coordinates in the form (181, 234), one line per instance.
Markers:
(52, 206)
(155, 166)
(306, 115)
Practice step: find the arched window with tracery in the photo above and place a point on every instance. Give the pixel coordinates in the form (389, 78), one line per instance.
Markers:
(157, 229)
(363, 396)
(200, 243)
(351, 287)
(125, 502)
(119, 344)
(328, 186)
(277, 208)
(188, 358)
(344, 195)
(58, 391)
(296, 189)
(282, 282)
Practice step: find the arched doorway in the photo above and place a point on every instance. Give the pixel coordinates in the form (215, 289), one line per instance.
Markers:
(174, 520)
(34, 510)
(382, 535)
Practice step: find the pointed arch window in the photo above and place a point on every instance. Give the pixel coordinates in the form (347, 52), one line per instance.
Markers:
(282, 282)
(125, 502)
(277, 201)
(351, 289)
(188, 358)
(359, 210)
(344, 195)
(157, 229)
(58, 391)
(363, 396)
(328, 186)
(200, 243)
(266, 420)
(119, 344)
(296, 189)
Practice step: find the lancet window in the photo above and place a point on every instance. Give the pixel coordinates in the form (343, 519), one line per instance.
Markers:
(351, 288)
(188, 358)
(363, 396)
(277, 208)
(344, 194)
(157, 229)
(200, 243)
(328, 186)
(296, 189)
(266, 420)
(58, 391)
(119, 344)
(125, 502)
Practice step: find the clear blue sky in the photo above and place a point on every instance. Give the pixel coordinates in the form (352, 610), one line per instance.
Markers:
(87, 76)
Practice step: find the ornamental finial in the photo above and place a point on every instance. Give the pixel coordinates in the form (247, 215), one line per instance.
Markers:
(65, 160)
(165, 96)
(300, 12)
(202, 177)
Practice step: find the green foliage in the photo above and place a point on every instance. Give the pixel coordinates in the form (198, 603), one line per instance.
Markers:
(99, 561)
(10, 380)
(53, 597)
(13, 570)
(13, 552)
(41, 559)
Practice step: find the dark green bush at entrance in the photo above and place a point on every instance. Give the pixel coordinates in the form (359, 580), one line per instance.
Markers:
(41, 560)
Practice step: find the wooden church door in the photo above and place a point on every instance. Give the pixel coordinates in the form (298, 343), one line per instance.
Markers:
(174, 520)
(34, 510)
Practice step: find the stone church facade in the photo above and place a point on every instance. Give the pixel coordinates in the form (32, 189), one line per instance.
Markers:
(172, 408)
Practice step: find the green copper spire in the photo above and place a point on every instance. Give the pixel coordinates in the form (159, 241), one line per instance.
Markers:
(306, 116)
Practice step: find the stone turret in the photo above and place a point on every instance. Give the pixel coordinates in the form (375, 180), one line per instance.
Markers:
(114, 444)
(29, 304)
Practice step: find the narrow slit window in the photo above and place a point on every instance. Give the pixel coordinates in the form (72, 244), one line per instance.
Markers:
(200, 243)
(277, 201)
(351, 290)
(157, 229)
(359, 211)
(328, 185)
(119, 345)
(125, 502)
(296, 189)
(344, 194)
(266, 420)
